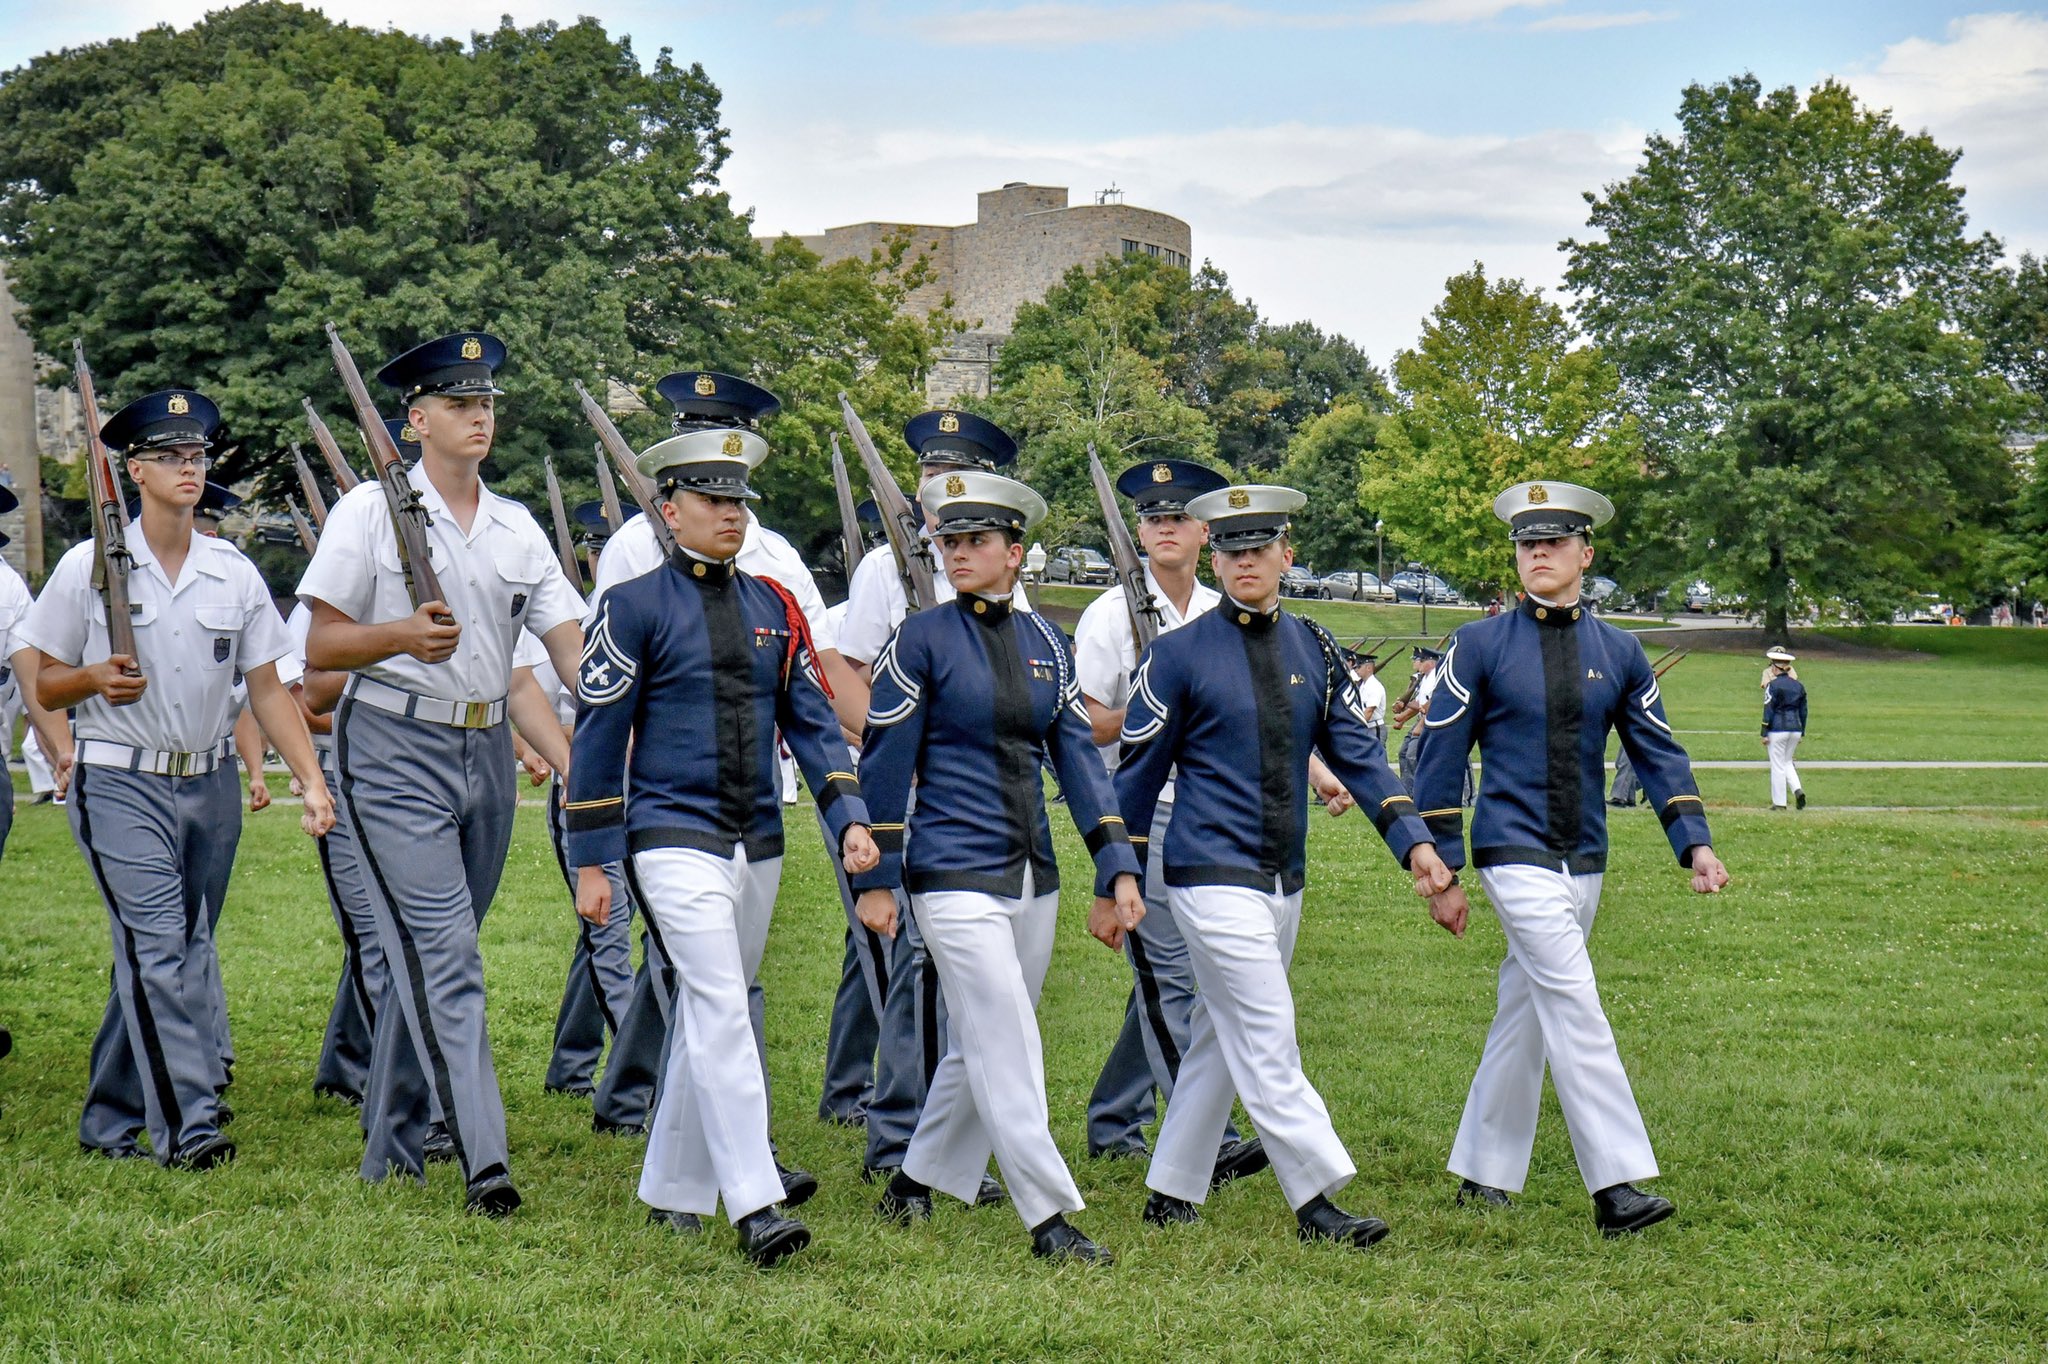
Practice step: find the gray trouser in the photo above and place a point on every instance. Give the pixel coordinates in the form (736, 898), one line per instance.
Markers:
(850, 1041)
(1411, 757)
(600, 983)
(432, 809)
(1146, 1055)
(227, 806)
(344, 1065)
(155, 847)
(6, 787)
(1625, 783)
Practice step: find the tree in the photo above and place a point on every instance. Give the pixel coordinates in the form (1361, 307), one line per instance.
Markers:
(1782, 285)
(1495, 394)
(2011, 316)
(1327, 460)
(196, 204)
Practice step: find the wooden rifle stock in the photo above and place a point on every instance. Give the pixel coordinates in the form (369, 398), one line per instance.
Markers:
(310, 486)
(608, 493)
(304, 527)
(408, 514)
(902, 525)
(622, 456)
(849, 519)
(111, 561)
(1123, 552)
(330, 449)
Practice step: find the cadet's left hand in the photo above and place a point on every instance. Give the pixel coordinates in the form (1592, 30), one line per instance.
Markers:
(259, 795)
(857, 851)
(1708, 875)
(1332, 794)
(317, 817)
(1432, 877)
(1109, 919)
(1450, 908)
(537, 769)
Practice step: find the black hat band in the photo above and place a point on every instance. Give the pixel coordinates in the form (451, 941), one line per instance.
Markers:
(1246, 532)
(1549, 525)
(956, 450)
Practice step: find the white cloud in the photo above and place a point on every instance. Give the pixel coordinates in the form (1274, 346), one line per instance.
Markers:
(1066, 23)
(1586, 23)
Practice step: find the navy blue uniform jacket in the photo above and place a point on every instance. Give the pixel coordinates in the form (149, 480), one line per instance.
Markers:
(1538, 688)
(966, 696)
(1237, 698)
(688, 669)
(1785, 706)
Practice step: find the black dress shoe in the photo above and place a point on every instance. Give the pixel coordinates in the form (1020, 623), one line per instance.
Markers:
(86, 1148)
(766, 1236)
(905, 1200)
(1134, 1149)
(606, 1127)
(797, 1185)
(6, 1041)
(570, 1091)
(492, 1196)
(1799, 799)
(1472, 1194)
(1321, 1220)
(353, 1100)
(1620, 1209)
(681, 1223)
(224, 1116)
(991, 1193)
(1054, 1239)
(439, 1147)
(1164, 1211)
(1238, 1160)
(203, 1153)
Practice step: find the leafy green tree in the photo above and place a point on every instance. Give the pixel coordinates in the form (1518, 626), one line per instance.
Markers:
(1782, 285)
(2011, 317)
(1327, 460)
(1496, 393)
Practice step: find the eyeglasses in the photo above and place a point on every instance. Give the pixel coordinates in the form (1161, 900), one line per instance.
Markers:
(171, 459)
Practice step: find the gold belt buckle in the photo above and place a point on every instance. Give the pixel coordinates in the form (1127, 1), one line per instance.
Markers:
(180, 765)
(475, 715)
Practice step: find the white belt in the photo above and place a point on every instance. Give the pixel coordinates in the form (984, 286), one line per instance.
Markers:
(432, 709)
(156, 762)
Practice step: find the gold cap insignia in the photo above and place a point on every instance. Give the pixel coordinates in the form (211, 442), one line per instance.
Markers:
(408, 435)
(949, 423)
(1161, 474)
(472, 349)
(956, 486)
(706, 385)
(733, 444)
(1239, 499)
(179, 405)
(1538, 494)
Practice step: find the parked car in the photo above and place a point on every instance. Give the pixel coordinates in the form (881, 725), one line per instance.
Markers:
(1699, 596)
(1599, 593)
(1078, 564)
(1416, 586)
(1349, 586)
(1299, 582)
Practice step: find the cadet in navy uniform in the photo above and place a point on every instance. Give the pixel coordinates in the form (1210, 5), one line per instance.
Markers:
(424, 756)
(966, 698)
(155, 806)
(903, 986)
(687, 674)
(1784, 725)
(1147, 1052)
(1537, 689)
(1234, 701)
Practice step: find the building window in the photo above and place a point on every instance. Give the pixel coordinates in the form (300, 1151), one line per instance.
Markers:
(1131, 248)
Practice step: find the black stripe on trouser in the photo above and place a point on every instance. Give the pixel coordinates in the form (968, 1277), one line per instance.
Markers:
(152, 1045)
(928, 986)
(437, 1069)
(604, 1008)
(1155, 1010)
(352, 946)
(653, 931)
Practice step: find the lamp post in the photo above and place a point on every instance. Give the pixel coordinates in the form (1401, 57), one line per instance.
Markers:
(1034, 561)
(1379, 543)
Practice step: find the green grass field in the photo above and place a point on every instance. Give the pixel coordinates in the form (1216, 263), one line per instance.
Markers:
(1840, 1060)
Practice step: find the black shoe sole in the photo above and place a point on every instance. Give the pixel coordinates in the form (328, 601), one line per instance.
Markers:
(990, 1195)
(1242, 1165)
(1799, 799)
(617, 1129)
(1174, 1218)
(1371, 1235)
(209, 1156)
(680, 1223)
(797, 1187)
(779, 1247)
(1642, 1223)
(903, 1212)
(500, 1202)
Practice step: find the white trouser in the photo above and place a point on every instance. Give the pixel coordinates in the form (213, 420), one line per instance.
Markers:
(1241, 1044)
(988, 1094)
(1784, 776)
(41, 776)
(709, 1135)
(1549, 1010)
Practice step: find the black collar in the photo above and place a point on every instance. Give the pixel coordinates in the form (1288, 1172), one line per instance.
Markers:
(1247, 618)
(987, 610)
(1555, 617)
(697, 568)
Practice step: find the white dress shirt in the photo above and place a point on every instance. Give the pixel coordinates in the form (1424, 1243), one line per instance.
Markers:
(500, 578)
(192, 637)
(15, 601)
(875, 605)
(763, 553)
(1106, 650)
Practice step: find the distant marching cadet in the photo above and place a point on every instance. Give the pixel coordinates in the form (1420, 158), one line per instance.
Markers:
(155, 806)
(17, 680)
(966, 698)
(1784, 724)
(424, 755)
(1537, 689)
(688, 672)
(1234, 702)
(706, 401)
(903, 985)
(1148, 1050)
(1425, 660)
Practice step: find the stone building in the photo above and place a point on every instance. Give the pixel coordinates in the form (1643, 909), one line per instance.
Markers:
(21, 439)
(1022, 240)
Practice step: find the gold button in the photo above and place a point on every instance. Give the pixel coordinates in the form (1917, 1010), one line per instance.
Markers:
(697, 569)
(1542, 614)
(1575, 613)
(1244, 618)
(980, 607)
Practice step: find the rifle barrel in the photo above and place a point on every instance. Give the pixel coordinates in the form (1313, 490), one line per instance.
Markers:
(622, 456)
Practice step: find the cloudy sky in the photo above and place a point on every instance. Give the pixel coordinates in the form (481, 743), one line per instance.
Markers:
(1337, 160)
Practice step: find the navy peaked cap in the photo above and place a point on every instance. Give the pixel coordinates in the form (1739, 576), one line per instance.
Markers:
(171, 416)
(462, 365)
(944, 436)
(1163, 486)
(703, 395)
(403, 436)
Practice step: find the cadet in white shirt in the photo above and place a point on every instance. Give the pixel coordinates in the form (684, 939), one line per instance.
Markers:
(424, 756)
(154, 804)
(17, 681)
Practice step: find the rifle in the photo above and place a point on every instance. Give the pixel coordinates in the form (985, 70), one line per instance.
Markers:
(622, 455)
(564, 544)
(608, 493)
(310, 486)
(1146, 619)
(1669, 661)
(344, 477)
(111, 561)
(408, 514)
(1414, 685)
(307, 538)
(904, 529)
(849, 520)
